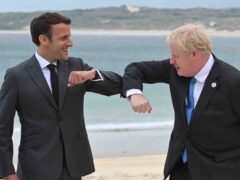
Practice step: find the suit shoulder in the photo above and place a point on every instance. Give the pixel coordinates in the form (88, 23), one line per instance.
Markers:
(228, 69)
(230, 73)
(74, 60)
(19, 67)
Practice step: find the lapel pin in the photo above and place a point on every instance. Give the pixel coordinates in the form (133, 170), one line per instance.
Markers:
(214, 85)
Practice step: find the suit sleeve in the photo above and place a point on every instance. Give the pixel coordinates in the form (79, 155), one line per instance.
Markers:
(145, 72)
(8, 99)
(110, 85)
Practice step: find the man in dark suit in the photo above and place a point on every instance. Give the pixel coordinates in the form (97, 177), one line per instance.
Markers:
(205, 91)
(47, 91)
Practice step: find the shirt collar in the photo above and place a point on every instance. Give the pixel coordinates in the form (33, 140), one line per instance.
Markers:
(42, 61)
(201, 76)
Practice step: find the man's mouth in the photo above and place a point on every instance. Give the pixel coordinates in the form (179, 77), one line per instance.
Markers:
(65, 51)
(177, 68)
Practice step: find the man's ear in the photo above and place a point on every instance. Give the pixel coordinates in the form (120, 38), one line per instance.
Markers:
(43, 39)
(194, 53)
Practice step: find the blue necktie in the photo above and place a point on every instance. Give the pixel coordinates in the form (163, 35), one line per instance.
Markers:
(189, 109)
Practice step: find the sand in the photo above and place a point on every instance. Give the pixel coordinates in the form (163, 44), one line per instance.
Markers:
(129, 168)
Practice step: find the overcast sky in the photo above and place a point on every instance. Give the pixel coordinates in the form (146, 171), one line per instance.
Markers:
(33, 5)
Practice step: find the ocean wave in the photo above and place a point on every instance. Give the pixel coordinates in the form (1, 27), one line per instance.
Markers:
(124, 126)
(130, 126)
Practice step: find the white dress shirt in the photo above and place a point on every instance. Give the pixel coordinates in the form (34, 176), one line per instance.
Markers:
(200, 77)
(46, 72)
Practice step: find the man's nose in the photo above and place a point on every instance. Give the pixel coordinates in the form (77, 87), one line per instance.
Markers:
(70, 43)
(172, 61)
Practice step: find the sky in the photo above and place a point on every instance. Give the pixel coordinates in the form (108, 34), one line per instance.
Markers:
(35, 5)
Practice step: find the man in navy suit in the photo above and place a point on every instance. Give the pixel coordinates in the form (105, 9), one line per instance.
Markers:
(205, 91)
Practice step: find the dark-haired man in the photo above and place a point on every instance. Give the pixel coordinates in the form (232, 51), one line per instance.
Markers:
(47, 91)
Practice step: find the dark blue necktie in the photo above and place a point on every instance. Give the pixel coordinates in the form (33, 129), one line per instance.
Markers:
(189, 109)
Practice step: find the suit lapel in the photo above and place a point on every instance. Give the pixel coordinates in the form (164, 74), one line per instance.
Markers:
(63, 74)
(36, 74)
(210, 87)
(182, 84)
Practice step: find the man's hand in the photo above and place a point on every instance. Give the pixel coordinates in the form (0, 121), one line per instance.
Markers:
(79, 77)
(140, 104)
(11, 177)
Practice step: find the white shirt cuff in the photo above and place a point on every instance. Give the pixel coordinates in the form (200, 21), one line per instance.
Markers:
(100, 76)
(133, 91)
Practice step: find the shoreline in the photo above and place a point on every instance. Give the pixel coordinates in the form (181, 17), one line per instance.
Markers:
(111, 144)
(121, 144)
(100, 32)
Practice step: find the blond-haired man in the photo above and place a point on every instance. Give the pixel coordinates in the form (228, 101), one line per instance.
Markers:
(205, 141)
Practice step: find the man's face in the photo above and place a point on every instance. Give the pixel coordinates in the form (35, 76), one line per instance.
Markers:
(182, 61)
(57, 46)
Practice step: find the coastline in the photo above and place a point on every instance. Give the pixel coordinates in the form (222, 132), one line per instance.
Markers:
(112, 144)
(100, 32)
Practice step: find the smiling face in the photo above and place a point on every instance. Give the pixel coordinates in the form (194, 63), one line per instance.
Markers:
(56, 47)
(184, 62)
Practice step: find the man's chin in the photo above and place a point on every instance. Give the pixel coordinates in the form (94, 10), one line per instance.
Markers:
(183, 75)
(65, 58)
(179, 72)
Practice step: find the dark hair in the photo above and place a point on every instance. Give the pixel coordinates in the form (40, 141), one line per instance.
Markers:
(42, 25)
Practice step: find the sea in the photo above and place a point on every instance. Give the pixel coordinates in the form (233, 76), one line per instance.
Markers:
(114, 53)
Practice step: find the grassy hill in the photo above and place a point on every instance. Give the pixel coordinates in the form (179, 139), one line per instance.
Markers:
(133, 18)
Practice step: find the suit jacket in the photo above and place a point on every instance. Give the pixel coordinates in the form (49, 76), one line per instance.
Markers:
(48, 132)
(213, 137)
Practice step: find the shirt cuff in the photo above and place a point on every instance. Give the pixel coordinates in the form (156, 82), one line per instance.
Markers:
(133, 91)
(98, 76)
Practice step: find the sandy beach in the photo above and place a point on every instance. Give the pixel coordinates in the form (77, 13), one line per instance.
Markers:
(129, 155)
(129, 168)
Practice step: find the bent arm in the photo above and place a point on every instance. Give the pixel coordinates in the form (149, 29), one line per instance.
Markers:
(110, 85)
(105, 82)
(145, 72)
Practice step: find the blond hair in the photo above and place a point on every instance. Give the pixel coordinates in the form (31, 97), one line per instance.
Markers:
(190, 37)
